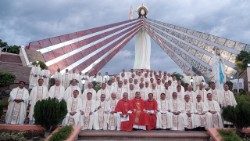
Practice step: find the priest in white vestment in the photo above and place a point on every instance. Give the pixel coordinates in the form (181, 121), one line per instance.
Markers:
(106, 77)
(74, 105)
(142, 90)
(120, 90)
(180, 94)
(159, 89)
(179, 83)
(131, 92)
(198, 79)
(99, 78)
(69, 91)
(89, 89)
(58, 75)
(164, 117)
(34, 75)
(202, 92)
(88, 108)
(214, 110)
(171, 88)
(167, 92)
(37, 93)
(101, 113)
(110, 86)
(155, 92)
(217, 93)
(113, 117)
(227, 97)
(126, 85)
(191, 93)
(136, 84)
(45, 74)
(203, 118)
(189, 113)
(66, 78)
(104, 91)
(176, 108)
(174, 82)
(57, 91)
(18, 102)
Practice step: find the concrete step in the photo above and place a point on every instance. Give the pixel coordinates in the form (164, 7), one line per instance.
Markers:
(155, 135)
(10, 58)
(21, 72)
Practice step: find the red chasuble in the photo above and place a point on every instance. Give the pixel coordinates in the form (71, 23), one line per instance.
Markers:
(124, 106)
(138, 117)
(151, 105)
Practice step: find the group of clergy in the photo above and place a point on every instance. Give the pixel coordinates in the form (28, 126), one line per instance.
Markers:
(135, 99)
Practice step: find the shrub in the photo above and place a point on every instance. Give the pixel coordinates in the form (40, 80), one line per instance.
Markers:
(62, 134)
(42, 65)
(13, 49)
(229, 135)
(50, 112)
(6, 79)
(6, 136)
(238, 115)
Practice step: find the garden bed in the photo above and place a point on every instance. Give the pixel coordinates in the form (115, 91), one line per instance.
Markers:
(29, 131)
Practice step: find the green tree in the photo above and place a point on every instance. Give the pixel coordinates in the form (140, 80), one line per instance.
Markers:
(14, 49)
(242, 59)
(2, 43)
(11, 49)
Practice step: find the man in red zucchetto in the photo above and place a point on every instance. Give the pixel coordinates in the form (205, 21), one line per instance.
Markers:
(151, 110)
(138, 116)
(123, 108)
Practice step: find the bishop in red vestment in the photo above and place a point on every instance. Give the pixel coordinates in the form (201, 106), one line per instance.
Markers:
(138, 116)
(124, 109)
(151, 109)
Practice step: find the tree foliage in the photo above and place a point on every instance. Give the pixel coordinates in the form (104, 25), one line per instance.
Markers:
(6, 79)
(178, 76)
(2, 43)
(11, 49)
(42, 65)
(242, 59)
(238, 115)
(50, 112)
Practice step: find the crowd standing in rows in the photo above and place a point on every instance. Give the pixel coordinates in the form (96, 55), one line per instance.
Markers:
(135, 99)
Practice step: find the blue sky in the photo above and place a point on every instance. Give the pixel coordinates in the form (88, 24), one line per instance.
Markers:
(23, 21)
